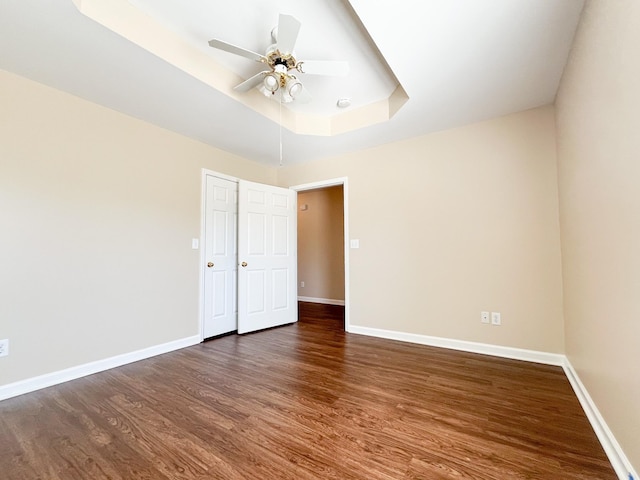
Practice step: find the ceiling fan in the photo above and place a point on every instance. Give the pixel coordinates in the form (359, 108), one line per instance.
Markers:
(280, 81)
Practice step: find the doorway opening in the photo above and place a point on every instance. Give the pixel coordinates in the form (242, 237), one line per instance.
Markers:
(322, 253)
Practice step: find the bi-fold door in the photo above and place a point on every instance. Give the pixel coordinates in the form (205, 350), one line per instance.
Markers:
(250, 255)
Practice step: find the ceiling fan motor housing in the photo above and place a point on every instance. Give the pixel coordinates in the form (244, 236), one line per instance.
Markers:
(274, 58)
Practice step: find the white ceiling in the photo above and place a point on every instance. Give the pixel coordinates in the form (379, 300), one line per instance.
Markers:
(459, 61)
(329, 32)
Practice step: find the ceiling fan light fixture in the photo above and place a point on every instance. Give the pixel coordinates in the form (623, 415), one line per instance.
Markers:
(294, 87)
(271, 83)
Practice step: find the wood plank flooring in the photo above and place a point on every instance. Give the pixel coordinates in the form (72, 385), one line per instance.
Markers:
(305, 401)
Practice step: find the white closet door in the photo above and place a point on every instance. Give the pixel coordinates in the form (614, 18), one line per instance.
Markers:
(220, 278)
(267, 248)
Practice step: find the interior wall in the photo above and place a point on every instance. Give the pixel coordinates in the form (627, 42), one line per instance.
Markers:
(97, 212)
(598, 116)
(321, 243)
(452, 224)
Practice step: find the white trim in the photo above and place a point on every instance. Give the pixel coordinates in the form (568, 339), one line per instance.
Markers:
(347, 282)
(472, 347)
(203, 212)
(344, 181)
(213, 173)
(618, 459)
(55, 378)
(324, 301)
(334, 182)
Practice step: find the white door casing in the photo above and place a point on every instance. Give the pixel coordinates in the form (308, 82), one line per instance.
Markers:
(267, 257)
(220, 271)
(344, 181)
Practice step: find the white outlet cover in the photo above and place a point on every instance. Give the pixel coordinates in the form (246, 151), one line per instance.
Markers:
(484, 317)
(496, 318)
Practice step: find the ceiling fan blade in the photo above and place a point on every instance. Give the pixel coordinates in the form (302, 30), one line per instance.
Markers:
(251, 82)
(288, 28)
(322, 67)
(243, 52)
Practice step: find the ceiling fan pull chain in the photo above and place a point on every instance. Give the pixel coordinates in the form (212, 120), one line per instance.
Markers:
(280, 122)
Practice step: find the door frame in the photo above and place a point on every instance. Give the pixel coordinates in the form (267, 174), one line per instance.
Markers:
(344, 181)
(201, 245)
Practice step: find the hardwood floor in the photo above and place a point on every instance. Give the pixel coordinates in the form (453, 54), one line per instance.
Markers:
(305, 401)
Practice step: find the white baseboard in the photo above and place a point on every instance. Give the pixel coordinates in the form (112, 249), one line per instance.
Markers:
(55, 378)
(325, 301)
(618, 459)
(472, 347)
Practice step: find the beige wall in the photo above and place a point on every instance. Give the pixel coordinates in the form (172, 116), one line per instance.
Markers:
(598, 110)
(321, 243)
(102, 208)
(97, 212)
(454, 223)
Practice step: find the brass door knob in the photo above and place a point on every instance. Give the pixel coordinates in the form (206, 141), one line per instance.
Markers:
(210, 264)
(244, 264)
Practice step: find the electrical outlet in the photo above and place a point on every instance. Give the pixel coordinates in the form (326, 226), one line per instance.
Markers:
(302, 284)
(484, 317)
(4, 347)
(495, 318)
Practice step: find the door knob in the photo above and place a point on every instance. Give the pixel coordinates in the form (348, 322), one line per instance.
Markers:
(244, 264)
(210, 264)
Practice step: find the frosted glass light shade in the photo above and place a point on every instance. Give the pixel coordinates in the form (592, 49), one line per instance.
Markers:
(271, 83)
(294, 87)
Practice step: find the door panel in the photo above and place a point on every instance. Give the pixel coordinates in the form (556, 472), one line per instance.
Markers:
(256, 288)
(280, 278)
(257, 234)
(280, 235)
(220, 290)
(267, 245)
